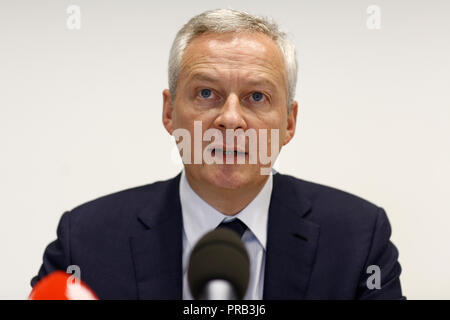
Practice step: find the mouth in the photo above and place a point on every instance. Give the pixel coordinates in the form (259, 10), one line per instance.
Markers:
(226, 152)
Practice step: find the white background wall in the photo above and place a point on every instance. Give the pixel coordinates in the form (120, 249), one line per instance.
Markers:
(80, 116)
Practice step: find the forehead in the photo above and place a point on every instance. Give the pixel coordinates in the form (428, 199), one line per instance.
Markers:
(244, 51)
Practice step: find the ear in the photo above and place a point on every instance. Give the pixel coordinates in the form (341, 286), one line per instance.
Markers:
(291, 123)
(167, 111)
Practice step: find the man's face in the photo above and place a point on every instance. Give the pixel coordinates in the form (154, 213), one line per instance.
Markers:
(231, 81)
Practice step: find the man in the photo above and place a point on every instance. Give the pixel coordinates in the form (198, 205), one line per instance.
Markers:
(230, 72)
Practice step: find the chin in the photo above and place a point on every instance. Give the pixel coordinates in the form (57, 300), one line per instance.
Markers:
(228, 176)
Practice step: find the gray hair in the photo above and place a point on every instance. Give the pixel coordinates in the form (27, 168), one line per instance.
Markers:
(229, 20)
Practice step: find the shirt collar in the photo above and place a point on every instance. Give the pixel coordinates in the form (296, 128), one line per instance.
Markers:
(199, 217)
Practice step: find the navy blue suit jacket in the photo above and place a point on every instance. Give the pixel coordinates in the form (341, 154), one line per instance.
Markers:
(320, 242)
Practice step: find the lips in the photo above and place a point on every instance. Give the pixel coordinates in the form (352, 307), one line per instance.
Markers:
(235, 152)
(228, 150)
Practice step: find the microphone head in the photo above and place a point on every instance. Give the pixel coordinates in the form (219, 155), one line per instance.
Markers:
(59, 285)
(219, 255)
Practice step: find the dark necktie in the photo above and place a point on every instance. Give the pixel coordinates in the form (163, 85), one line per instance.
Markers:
(236, 225)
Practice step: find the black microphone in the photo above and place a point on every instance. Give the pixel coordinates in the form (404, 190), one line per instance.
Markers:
(219, 267)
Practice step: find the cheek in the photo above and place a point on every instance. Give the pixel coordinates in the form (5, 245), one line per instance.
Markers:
(186, 118)
(182, 117)
(283, 132)
(275, 120)
(279, 122)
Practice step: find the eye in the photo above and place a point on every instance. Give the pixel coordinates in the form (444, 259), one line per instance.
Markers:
(257, 96)
(206, 93)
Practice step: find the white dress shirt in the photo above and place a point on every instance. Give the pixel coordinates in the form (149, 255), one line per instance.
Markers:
(199, 218)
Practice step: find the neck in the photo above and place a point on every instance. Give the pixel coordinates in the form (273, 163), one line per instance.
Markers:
(226, 201)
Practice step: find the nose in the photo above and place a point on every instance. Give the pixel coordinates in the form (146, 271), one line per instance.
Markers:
(231, 115)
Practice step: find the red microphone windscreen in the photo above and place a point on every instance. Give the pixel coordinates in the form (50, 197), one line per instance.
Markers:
(61, 286)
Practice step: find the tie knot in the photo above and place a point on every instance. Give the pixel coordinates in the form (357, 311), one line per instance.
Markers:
(236, 225)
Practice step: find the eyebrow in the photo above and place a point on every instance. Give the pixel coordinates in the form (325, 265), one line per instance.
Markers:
(214, 79)
(204, 77)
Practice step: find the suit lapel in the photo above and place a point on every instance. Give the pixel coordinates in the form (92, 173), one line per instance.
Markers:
(291, 243)
(157, 252)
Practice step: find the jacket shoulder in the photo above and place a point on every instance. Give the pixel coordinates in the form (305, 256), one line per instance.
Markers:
(329, 204)
(121, 206)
